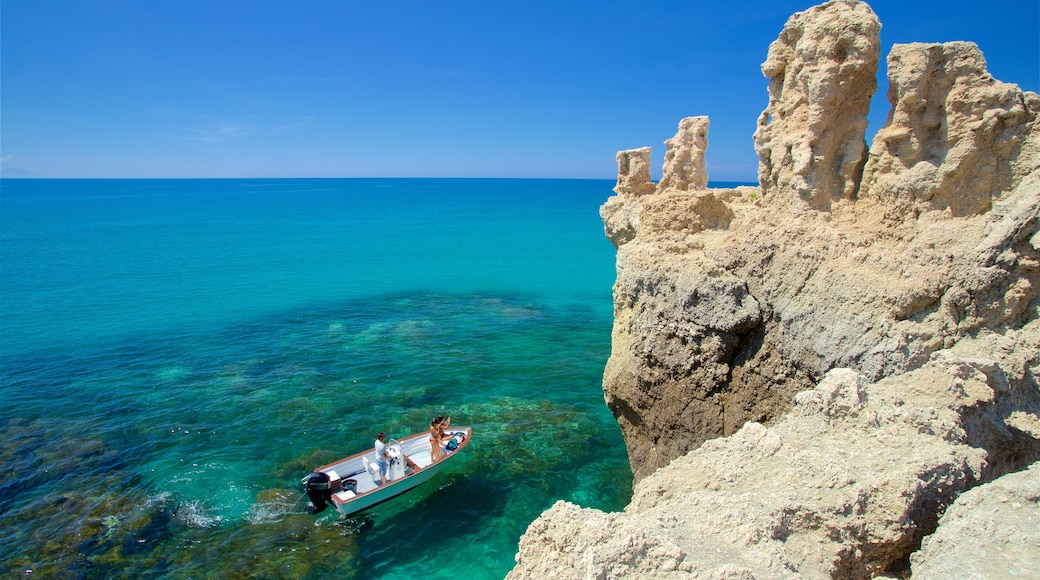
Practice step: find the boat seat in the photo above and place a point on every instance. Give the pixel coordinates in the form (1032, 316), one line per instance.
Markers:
(335, 483)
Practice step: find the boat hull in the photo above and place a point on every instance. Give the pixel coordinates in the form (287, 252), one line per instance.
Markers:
(391, 490)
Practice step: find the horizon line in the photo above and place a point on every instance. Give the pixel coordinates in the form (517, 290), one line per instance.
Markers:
(36, 178)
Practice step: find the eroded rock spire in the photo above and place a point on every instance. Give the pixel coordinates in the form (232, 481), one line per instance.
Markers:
(684, 166)
(954, 138)
(822, 73)
(634, 172)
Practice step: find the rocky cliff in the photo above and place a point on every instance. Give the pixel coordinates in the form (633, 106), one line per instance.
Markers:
(808, 372)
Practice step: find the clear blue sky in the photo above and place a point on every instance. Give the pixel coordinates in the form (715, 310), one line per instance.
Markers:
(488, 88)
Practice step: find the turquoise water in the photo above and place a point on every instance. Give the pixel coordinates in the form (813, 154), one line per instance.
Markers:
(177, 354)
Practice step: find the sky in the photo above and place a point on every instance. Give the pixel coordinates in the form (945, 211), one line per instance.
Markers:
(490, 88)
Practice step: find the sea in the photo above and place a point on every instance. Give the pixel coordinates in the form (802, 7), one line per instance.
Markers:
(175, 355)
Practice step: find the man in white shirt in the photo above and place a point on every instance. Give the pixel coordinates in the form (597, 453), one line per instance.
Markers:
(381, 458)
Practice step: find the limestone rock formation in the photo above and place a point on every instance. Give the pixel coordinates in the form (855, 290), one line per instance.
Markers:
(991, 531)
(807, 373)
(634, 172)
(728, 302)
(684, 166)
(845, 486)
(956, 138)
(822, 72)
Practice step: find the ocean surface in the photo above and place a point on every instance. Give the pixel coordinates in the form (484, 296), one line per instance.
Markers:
(176, 354)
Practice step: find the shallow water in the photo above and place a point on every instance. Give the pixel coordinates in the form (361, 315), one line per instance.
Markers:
(177, 354)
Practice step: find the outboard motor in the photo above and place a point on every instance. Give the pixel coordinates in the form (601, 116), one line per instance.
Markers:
(319, 490)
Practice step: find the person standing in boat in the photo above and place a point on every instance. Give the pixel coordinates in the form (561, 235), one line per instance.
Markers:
(437, 436)
(435, 440)
(381, 458)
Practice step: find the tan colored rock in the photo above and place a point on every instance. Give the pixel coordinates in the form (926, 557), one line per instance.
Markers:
(956, 138)
(845, 289)
(822, 72)
(684, 166)
(634, 172)
(992, 531)
(802, 392)
(840, 491)
(725, 308)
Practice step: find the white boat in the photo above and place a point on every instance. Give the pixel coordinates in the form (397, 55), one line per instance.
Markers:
(354, 481)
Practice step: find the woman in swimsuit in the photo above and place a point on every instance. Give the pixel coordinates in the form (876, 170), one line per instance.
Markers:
(435, 440)
(437, 436)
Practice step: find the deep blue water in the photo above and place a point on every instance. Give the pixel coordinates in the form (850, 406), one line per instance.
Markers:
(176, 354)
